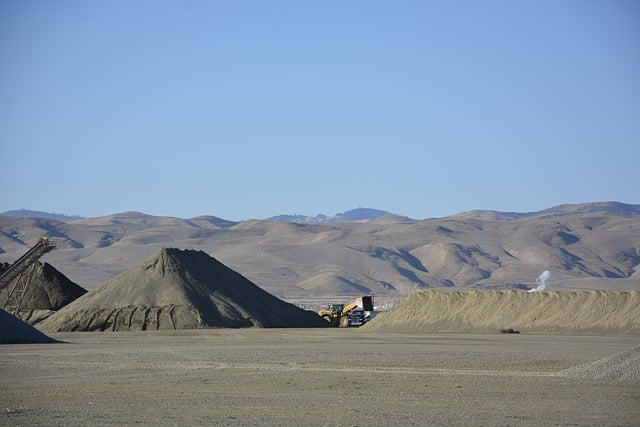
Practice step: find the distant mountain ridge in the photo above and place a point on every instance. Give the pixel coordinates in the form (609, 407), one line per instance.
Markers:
(562, 210)
(359, 214)
(27, 213)
(369, 214)
(390, 255)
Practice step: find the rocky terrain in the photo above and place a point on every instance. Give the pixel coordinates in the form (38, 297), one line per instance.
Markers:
(591, 246)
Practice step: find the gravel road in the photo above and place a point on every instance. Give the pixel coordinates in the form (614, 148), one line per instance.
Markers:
(323, 377)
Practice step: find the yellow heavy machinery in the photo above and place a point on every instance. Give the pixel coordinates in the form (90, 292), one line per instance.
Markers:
(347, 315)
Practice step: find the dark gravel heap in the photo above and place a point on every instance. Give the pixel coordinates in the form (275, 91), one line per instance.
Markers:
(47, 288)
(15, 331)
(179, 289)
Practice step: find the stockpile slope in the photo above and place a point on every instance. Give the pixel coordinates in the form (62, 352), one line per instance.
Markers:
(624, 366)
(16, 331)
(46, 291)
(570, 313)
(178, 289)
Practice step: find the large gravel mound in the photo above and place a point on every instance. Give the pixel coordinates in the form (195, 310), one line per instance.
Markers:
(571, 313)
(46, 291)
(178, 289)
(623, 366)
(16, 331)
(46, 288)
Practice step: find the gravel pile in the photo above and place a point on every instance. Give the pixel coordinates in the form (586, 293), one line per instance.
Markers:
(15, 331)
(178, 289)
(46, 289)
(623, 366)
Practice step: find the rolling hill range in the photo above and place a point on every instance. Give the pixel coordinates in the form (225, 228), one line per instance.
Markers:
(589, 246)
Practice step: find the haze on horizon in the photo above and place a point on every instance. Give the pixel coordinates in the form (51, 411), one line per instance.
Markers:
(254, 109)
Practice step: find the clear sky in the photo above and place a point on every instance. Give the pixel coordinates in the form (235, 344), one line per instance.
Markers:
(249, 109)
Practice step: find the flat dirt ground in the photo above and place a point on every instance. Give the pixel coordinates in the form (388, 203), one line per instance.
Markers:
(333, 377)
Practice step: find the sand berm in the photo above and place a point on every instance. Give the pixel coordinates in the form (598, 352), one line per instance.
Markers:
(554, 312)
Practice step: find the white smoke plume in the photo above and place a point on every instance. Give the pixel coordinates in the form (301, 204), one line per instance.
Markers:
(541, 281)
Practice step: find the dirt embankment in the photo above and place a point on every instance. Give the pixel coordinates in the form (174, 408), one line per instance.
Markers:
(571, 313)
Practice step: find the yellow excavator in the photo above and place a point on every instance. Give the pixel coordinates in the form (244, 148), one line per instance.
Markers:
(348, 315)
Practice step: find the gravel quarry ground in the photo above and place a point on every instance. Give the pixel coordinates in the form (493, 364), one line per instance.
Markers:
(323, 377)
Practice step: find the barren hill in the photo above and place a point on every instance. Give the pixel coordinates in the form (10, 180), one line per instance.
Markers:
(592, 246)
(573, 313)
(176, 289)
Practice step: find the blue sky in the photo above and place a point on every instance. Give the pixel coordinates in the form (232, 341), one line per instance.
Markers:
(248, 109)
